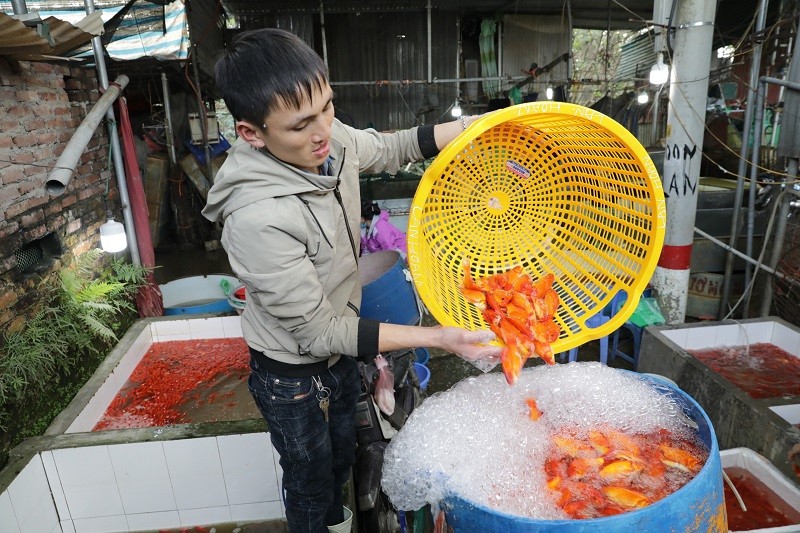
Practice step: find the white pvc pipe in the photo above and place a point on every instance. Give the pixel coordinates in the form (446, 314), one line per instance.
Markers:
(68, 160)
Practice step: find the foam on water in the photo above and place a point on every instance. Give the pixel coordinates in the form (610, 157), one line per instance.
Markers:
(477, 440)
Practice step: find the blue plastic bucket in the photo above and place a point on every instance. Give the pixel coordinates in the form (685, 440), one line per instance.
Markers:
(386, 291)
(197, 294)
(424, 375)
(697, 506)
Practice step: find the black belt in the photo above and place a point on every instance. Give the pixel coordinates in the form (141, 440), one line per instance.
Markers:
(288, 370)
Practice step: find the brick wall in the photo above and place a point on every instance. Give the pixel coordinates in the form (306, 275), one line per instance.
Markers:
(41, 106)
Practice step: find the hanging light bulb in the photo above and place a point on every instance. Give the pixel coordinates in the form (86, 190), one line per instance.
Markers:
(112, 236)
(456, 109)
(643, 97)
(549, 93)
(659, 73)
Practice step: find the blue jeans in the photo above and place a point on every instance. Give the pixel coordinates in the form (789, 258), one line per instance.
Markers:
(316, 457)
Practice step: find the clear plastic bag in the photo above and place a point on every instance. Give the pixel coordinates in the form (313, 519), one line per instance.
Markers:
(384, 387)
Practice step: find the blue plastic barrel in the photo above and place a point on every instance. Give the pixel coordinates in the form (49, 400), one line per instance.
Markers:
(386, 291)
(697, 506)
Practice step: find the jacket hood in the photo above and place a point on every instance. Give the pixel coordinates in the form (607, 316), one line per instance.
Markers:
(249, 175)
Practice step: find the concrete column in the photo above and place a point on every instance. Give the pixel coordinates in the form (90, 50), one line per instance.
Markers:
(693, 30)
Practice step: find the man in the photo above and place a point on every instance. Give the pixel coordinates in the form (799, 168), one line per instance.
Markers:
(288, 194)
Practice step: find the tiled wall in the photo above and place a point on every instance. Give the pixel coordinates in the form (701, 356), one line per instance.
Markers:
(145, 486)
(698, 338)
(159, 331)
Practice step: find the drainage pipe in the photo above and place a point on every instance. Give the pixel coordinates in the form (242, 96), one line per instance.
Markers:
(68, 160)
(430, 50)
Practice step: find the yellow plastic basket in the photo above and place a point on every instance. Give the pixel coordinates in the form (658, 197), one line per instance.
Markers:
(554, 187)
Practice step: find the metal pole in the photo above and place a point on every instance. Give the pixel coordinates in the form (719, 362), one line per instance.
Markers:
(430, 44)
(755, 68)
(777, 242)
(324, 38)
(116, 150)
(173, 156)
(19, 7)
(683, 154)
(751, 197)
(203, 117)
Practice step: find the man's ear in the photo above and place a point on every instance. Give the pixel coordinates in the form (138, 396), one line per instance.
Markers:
(250, 133)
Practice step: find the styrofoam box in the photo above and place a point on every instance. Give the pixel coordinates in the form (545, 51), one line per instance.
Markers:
(758, 465)
(790, 413)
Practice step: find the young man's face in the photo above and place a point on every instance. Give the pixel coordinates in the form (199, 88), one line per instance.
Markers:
(300, 137)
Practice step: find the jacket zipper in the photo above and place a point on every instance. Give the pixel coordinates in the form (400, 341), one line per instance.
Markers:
(339, 200)
(338, 196)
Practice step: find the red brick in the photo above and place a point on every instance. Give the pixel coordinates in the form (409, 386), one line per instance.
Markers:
(24, 206)
(12, 176)
(9, 229)
(5, 142)
(28, 186)
(34, 125)
(32, 218)
(74, 226)
(27, 96)
(17, 111)
(45, 138)
(26, 140)
(7, 195)
(25, 158)
(45, 68)
(68, 201)
(8, 299)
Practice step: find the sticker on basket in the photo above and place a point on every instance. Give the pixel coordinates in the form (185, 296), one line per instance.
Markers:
(518, 169)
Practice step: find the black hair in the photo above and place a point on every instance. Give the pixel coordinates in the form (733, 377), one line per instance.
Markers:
(369, 209)
(265, 69)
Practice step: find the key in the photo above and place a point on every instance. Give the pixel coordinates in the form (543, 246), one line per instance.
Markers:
(323, 404)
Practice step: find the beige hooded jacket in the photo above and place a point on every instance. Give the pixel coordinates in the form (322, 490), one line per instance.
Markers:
(292, 238)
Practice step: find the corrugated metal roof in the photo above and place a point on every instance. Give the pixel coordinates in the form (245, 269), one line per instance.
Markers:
(636, 58)
(19, 40)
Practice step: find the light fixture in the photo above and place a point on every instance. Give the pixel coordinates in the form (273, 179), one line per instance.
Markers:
(549, 93)
(112, 236)
(643, 97)
(456, 109)
(659, 73)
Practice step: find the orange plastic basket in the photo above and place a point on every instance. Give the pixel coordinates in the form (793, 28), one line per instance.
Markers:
(554, 187)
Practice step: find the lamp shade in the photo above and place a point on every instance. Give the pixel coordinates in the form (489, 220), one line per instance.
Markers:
(112, 236)
(659, 73)
(643, 97)
(456, 110)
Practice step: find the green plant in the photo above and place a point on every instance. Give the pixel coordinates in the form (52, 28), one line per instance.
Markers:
(76, 317)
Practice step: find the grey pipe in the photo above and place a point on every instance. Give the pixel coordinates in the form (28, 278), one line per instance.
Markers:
(116, 149)
(777, 246)
(751, 198)
(755, 67)
(173, 156)
(68, 160)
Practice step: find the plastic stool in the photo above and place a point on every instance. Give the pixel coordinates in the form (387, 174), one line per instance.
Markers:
(597, 320)
(636, 332)
(633, 358)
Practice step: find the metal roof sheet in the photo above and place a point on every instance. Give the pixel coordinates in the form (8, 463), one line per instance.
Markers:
(55, 38)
